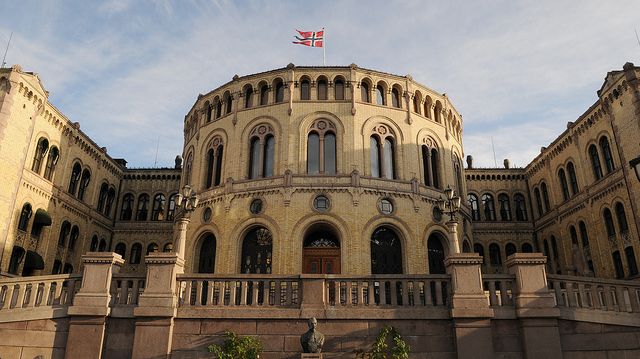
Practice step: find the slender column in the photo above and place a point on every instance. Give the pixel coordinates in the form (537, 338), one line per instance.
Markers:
(180, 241)
(454, 245)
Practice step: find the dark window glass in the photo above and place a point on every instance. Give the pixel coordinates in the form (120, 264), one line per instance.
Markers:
(623, 226)
(617, 263)
(94, 244)
(386, 252)
(136, 253)
(256, 251)
(608, 222)
(583, 234)
(375, 156)
(73, 238)
(41, 151)
(386, 206)
(435, 165)
(329, 153)
(572, 178)
(489, 207)
(322, 89)
(111, 196)
(171, 210)
(595, 162)
(75, 177)
(17, 255)
(527, 248)
(574, 235)
(313, 153)
(510, 249)
(127, 207)
(102, 246)
(545, 196)
(248, 97)
(256, 206)
(416, 104)
(395, 98)
(84, 183)
(505, 207)
(436, 255)
(159, 202)
(279, 92)
(102, 197)
(65, 229)
(25, 215)
(495, 258)
(152, 248)
(536, 192)
(207, 255)
(554, 246)
(521, 207)
(563, 183)
(121, 249)
(631, 261)
(269, 153)
(380, 99)
(606, 153)
(389, 163)
(475, 208)
(210, 165)
(305, 90)
(228, 100)
(143, 207)
(321, 203)
(338, 87)
(426, 166)
(218, 169)
(364, 92)
(254, 160)
(68, 268)
(52, 161)
(477, 248)
(218, 108)
(264, 95)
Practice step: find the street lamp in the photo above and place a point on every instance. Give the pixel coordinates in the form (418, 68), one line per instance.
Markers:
(186, 203)
(635, 164)
(451, 205)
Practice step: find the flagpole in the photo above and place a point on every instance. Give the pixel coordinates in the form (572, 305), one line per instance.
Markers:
(324, 47)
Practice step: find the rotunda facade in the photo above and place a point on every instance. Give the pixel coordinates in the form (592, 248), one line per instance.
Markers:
(322, 170)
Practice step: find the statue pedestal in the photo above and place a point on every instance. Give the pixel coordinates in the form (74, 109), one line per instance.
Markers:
(311, 356)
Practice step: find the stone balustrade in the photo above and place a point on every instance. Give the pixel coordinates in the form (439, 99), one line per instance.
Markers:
(125, 291)
(595, 294)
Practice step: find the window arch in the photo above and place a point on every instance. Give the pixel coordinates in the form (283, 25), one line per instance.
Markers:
(102, 197)
(505, 207)
(386, 251)
(545, 196)
(214, 162)
(171, 208)
(606, 154)
(305, 89)
(457, 170)
(73, 238)
(248, 96)
(127, 207)
(38, 156)
(278, 85)
(608, 222)
(382, 153)
(321, 148)
(436, 254)
(264, 94)
(623, 225)
(121, 249)
(338, 88)
(527, 248)
(136, 253)
(495, 258)
(322, 88)
(617, 264)
(143, 207)
(207, 111)
(475, 208)
(430, 163)
(428, 103)
(187, 168)
(257, 248)
(159, 202)
(84, 183)
(395, 98)
(562, 177)
(488, 207)
(438, 112)
(75, 178)
(228, 103)
(573, 180)
(536, 192)
(207, 254)
(510, 249)
(217, 105)
(25, 215)
(152, 248)
(365, 93)
(417, 101)
(521, 207)
(52, 161)
(261, 151)
(595, 162)
(65, 229)
(381, 98)
(94, 244)
(111, 196)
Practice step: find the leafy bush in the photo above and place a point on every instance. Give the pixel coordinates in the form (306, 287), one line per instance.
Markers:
(235, 347)
(380, 349)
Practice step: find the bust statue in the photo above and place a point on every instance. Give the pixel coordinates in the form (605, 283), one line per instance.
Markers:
(312, 341)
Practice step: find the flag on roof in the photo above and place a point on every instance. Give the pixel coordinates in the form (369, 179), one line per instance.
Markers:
(310, 38)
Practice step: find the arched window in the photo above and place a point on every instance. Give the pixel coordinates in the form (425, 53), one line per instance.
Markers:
(338, 89)
(171, 210)
(563, 184)
(495, 258)
(521, 207)
(321, 148)
(207, 111)
(427, 106)
(68, 268)
(84, 183)
(386, 252)
(583, 234)
(57, 267)
(545, 196)
(102, 197)
(143, 207)
(187, 168)
(376, 166)
(157, 213)
(608, 222)
(17, 255)
(488, 207)
(136, 253)
(478, 248)
(65, 229)
(207, 254)
(527, 248)
(457, 170)
(631, 261)
(606, 153)
(305, 89)
(94, 244)
(417, 98)
(52, 161)
(380, 95)
(228, 103)
(127, 207)
(554, 247)
(25, 215)
(73, 238)
(595, 162)
(214, 162)
(466, 247)
(573, 234)
(75, 178)
(388, 166)
(257, 248)
(536, 193)
(475, 208)
(217, 104)
(510, 249)
(436, 254)
(322, 89)
(102, 246)
(121, 249)
(264, 95)
(573, 180)
(262, 152)
(248, 96)
(505, 207)
(111, 196)
(623, 226)
(395, 98)
(438, 112)
(41, 151)
(168, 247)
(152, 248)
(279, 94)
(430, 166)
(617, 264)
(364, 92)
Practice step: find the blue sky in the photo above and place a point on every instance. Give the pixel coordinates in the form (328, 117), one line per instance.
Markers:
(129, 71)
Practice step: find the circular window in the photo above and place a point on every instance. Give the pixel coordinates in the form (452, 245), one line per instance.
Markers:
(321, 203)
(385, 206)
(437, 214)
(256, 206)
(206, 216)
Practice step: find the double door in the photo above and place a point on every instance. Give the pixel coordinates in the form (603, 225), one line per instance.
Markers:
(321, 260)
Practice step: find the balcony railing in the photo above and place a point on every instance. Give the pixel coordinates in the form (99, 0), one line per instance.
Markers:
(595, 293)
(37, 295)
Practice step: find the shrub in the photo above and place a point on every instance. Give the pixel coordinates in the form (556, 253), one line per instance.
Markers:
(235, 347)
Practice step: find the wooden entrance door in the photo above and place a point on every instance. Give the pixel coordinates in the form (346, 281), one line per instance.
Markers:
(321, 260)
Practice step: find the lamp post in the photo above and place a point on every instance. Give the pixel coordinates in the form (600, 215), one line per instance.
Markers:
(451, 206)
(186, 203)
(635, 164)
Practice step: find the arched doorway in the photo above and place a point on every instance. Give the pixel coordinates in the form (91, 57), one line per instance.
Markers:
(256, 251)
(321, 250)
(386, 252)
(207, 254)
(435, 251)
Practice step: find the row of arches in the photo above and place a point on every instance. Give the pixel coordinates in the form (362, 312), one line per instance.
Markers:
(504, 203)
(52, 154)
(495, 252)
(135, 253)
(161, 208)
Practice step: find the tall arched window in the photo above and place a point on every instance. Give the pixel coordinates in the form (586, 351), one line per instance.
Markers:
(188, 165)
(430, 164)
(510, 249)
(228, 103)
(84, 184)
(623, 225)
(338, 89)
(554, 246)
(427, 106)
(41, 151)
(606, 153)
(386, 252)
(457, 170)
(595, 162)
(521, 207)
(321, 148)
(264, 95)
(527, 248)
(121, 249)
(488, 207)
(102, 197)
(111, 196)
(608, 222)
(257, 248)
(102, 247)
(127, 207)
(395, 98)
(65, 229)
(382, 152)
(279, 93)
(93, 247)
(152, 248)
(248, 96)
(305, 90)
(207, 254)
(52, 161)
(25, 215)
(75, 178)
(217, 104)
(631, 261)
(573, 234)
(322, 89)
(380, 95)
(617, 264)
(207, 111)
(545, 196)
(73, 238)
(583, 234)
(536, 193)
(261, 151)
(438, 112)
(365, 92)
(495, 258)
(478, 248)
(136, 253)
(143, 207)
(388, 166)
(171, 210)
(573, 180)
(159, 201)
(475, 208)
(562, 177)
(214, 162)
(505, 207)
(376, 166)
(436, 254)
(417, 99)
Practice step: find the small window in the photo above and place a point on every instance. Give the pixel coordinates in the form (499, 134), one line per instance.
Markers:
(75, 177)
(321, 203)
(395, 98)
(248, 97)
(385, 206)
(41, 151)
(256, 206)
(279, 91)
(52, 161)
(264, 95)
(206, 215)
(143, 207)
(25, 215)
(84, 184)
(136, 253)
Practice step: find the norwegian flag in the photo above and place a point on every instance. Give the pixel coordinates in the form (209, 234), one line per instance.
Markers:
(310, 38)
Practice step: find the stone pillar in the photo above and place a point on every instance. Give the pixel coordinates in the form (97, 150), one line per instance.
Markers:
(535, 306)
(313, 296)
(454, 245)
(180, 241)
(157, 306)
(91, 305)
(470, 309)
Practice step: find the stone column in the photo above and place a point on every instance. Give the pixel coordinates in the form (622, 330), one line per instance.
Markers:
(157, 306)
(454, 245)
(180, 241)
(470, 309)
(91, 305)
(535, 306)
